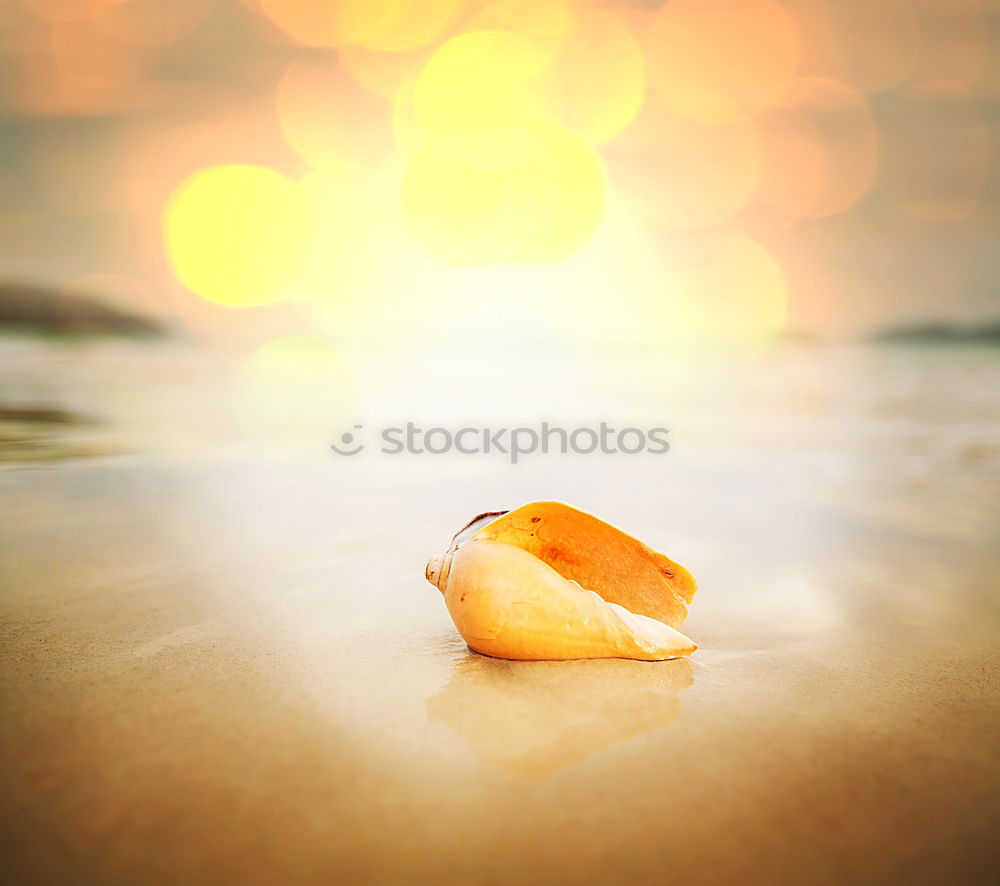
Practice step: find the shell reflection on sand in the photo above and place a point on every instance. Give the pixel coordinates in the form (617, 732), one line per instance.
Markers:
(532, 718)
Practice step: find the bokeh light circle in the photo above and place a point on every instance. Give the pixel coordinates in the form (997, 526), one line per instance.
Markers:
(599, 76)
(237, 235)
(824, 133)
(392, 25)
(483, 78)
(305, 21)
(544, 22)
(504, 194)
(717, 60)
(382, 25)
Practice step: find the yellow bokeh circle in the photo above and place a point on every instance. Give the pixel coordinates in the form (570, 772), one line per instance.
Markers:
(237, 235)
(520, 194)
(483, 78)
(593, 83)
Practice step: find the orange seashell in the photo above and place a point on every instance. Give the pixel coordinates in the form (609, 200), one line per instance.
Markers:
(547, 581)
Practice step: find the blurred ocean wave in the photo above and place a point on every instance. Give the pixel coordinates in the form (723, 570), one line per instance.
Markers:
(918, 418)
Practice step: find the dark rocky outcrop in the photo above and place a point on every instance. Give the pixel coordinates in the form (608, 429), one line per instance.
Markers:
(40, 310)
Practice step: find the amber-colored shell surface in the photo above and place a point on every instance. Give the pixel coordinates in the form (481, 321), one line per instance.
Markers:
(514, 584)
(600, 557)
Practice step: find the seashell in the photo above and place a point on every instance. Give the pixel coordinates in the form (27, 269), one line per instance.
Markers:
(547, 581)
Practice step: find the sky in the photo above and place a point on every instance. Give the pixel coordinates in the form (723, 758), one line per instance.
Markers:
(806, 166)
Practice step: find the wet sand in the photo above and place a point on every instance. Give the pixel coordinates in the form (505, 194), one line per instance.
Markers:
(226, 666)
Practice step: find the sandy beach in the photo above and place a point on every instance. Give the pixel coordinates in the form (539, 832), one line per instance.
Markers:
(265, 264)
(222, 662)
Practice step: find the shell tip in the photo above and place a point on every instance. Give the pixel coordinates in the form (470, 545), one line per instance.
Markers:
(433, 571)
